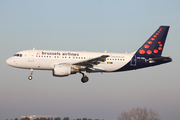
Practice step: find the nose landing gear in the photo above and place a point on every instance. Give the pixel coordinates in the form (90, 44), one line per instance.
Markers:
(31, 72)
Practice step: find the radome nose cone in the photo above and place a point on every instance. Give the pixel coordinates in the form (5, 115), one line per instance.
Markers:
(9, 61)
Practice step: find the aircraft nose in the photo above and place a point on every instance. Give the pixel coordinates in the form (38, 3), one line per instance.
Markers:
(9, 61)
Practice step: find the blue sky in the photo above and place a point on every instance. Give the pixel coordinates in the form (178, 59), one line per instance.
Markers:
(115, 26)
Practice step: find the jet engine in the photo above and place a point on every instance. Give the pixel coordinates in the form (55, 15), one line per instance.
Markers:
(63, 70)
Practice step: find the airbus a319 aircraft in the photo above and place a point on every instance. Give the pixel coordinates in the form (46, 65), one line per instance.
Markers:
(64, 63)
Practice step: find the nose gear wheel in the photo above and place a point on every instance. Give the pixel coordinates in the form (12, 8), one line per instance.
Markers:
(30, 77)
(31, 72)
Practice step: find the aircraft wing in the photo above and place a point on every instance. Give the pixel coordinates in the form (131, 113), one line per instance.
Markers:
(91, 62)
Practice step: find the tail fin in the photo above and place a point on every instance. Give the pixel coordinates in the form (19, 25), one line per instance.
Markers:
(155, 44)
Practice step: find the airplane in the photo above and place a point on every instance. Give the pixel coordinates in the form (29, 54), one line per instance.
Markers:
(64, 63)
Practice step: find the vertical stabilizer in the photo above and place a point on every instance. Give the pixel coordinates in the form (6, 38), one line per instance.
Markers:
(154, 45)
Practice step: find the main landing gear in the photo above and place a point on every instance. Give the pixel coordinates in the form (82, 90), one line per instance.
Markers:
(84, 79)
(31, 72)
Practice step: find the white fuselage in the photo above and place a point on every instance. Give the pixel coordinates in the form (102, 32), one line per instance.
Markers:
(47, 59)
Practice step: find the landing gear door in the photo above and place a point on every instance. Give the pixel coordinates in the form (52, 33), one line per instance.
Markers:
(133, 61)
(31, 56)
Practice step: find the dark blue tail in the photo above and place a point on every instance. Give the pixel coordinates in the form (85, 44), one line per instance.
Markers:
(153, 47)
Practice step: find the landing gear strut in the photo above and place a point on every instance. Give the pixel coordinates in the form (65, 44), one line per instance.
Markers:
(84, 79)
(31, 72)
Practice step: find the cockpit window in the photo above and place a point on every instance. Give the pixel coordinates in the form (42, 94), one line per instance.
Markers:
(18, 55)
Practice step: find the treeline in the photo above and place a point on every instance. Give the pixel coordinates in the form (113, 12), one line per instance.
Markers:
(58, 118)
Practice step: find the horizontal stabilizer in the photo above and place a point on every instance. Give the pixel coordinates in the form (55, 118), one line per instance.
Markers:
(159, 59)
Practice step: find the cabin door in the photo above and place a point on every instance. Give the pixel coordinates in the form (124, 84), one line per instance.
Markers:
(31, 56)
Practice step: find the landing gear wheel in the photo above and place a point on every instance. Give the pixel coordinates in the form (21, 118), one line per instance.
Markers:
(31, 72)
(84, 79)
(30, 77)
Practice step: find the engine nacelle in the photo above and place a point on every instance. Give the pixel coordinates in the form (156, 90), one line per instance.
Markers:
(63, 70)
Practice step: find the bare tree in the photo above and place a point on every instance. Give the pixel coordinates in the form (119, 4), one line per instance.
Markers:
(139, 114)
